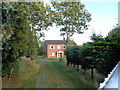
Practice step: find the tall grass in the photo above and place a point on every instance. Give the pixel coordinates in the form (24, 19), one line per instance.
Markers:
(77, 78)
(56, 75)
(27, 76)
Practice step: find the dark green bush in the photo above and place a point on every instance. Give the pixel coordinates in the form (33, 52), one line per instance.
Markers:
(10, 65)
(10, 69)
(73, 55)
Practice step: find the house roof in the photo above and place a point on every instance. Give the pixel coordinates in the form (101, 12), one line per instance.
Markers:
(57, 42)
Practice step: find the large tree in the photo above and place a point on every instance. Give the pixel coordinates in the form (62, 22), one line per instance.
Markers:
(106, 51)
(40, 17)
(72, 16)
(15, 29)
(19, 39)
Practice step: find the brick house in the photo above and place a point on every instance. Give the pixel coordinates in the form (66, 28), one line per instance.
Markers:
(54, 48)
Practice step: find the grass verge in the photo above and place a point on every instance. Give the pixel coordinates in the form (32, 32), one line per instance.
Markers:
(48, 74)
(78, 79)
(28, 75)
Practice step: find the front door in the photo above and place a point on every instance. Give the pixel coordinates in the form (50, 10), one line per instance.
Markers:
(60, 55)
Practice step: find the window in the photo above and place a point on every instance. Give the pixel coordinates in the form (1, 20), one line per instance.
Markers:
(58, 47)
(52, 54)
(51, 47)
(64, 46)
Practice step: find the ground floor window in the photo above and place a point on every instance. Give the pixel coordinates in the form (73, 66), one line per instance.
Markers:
(52, 54)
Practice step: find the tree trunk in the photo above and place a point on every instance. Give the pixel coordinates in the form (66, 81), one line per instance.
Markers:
(91, 72)
(73, 65)
(67, 37)
(84, 71)
(77, 67)
(67, 63)
(11, 72)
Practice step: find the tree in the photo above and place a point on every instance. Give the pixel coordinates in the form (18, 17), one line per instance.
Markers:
(96, 38)
(15, 36)
(114, 35)
(87, 58)
(72, 16)
(40, 17)
(102, 54)
(68, 54)
(41, 48)
(106, 51)
(73, 55)
(18, 37)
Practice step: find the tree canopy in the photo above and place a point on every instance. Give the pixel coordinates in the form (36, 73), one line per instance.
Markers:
(102, 54)
(72, 16)
(20, 35)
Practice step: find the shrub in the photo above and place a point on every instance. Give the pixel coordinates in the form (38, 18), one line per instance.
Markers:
(73, 55)
(10, 65)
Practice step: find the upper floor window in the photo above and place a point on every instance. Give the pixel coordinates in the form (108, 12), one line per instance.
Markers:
(58, 47)
(51, 47)
(64, 46)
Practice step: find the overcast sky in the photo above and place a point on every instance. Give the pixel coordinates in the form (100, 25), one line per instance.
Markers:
(104, 17)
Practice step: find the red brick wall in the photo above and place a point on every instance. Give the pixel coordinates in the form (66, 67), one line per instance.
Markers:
(54, 50)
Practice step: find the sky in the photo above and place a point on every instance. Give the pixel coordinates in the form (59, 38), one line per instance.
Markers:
(104, 14)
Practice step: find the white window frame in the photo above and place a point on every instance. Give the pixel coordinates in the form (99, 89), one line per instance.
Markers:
(51, 46)
(64, 46)
(52, 54)
(58, 47)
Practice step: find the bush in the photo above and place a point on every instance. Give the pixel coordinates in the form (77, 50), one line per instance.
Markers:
(10, 69)
(10, 65)
(80, 55)
(60, 59)
(73, 55)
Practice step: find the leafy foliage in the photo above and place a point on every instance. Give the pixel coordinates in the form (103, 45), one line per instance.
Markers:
(72, 16)
(41, 49)
(108, 55)
(73, 55)
(8, 59)
(20, 35)
(80, 55)
(101, 54)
